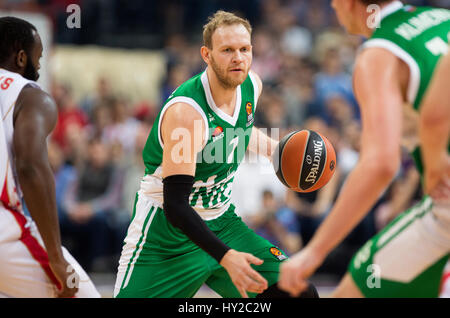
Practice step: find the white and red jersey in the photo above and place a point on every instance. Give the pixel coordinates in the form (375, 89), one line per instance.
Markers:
(24, 266)
(11, 84)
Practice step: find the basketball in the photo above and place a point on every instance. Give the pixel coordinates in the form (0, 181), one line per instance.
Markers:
(304, 161)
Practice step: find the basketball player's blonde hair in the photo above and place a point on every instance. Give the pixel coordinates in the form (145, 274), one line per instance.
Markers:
(221, 18)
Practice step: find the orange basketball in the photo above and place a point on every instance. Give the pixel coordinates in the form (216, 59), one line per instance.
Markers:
(304, 160)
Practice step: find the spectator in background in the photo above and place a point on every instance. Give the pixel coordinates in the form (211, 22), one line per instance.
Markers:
(266, 223)
(90, 206)
(71, 119)
(64, 174)
(177, 74)
(330, 81)
(101, 117)
(134, 167)
(100, 96)
(123, 127)
(404, 191)
(275, 115)
(266, 60)
(339, 112)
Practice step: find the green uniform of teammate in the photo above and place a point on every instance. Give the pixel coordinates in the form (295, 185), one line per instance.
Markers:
(396, 65)
(419, 35)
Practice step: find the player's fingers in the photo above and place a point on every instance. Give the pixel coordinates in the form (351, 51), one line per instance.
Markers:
(286, 278)
(242, 291)
(298, 288)
(253, 286)
(253, 259)
(66, 292)
(256, 277)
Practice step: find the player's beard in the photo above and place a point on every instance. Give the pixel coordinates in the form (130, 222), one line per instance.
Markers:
(30, 72)
(226, 81)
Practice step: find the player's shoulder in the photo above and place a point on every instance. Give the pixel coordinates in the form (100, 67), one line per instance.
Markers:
(370, 59)
(181, 114)
(33, 99)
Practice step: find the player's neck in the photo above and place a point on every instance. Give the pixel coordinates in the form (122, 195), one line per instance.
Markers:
(367, 31)
(222, 96)
(11, 67)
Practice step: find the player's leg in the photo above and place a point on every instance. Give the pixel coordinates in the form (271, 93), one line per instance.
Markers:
(24, 268)
(86, 288)
(21, 275)
(406, 259)
(444, 291)
(238, 236)
(347, 289)
(157, 259)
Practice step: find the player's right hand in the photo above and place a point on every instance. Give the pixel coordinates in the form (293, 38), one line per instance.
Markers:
(60, 268)
(243, 276)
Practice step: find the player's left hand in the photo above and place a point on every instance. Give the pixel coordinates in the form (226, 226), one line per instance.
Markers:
(295, 271)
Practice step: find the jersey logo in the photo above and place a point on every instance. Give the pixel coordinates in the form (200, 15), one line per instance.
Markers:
(249, 110)
(217, 133)
(277, 253)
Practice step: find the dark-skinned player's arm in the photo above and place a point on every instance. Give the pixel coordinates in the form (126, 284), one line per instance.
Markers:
(35, 116)
(435, 132)
(377, 89)
(178, 166)
(260, 143)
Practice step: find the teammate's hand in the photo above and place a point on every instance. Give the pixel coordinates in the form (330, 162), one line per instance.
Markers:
(437, 183)
(243, 276)
(61, 270)
(295, 271)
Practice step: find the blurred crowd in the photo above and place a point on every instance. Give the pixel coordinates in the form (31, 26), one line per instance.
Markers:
(305, 61)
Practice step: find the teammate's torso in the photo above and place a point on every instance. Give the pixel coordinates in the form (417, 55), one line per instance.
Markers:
(11, 84)
(418, 36)
(227, 138)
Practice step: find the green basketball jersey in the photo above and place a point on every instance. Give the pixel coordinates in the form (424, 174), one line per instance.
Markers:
(227, 138)
(419, 36)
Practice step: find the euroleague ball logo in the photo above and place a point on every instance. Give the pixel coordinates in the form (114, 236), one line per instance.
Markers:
(315, 162)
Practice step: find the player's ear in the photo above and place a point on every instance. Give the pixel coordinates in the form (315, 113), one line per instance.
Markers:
(205, 53)
(21, 59)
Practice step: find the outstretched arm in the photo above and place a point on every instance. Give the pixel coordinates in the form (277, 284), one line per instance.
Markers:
(34, 118)
(435, 132)
(379, 96)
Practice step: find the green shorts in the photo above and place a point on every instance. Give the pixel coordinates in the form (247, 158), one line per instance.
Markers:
(158, 260)
(407, 258)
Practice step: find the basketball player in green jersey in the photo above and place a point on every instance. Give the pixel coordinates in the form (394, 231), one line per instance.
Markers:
(392, 74)
(184, 231)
